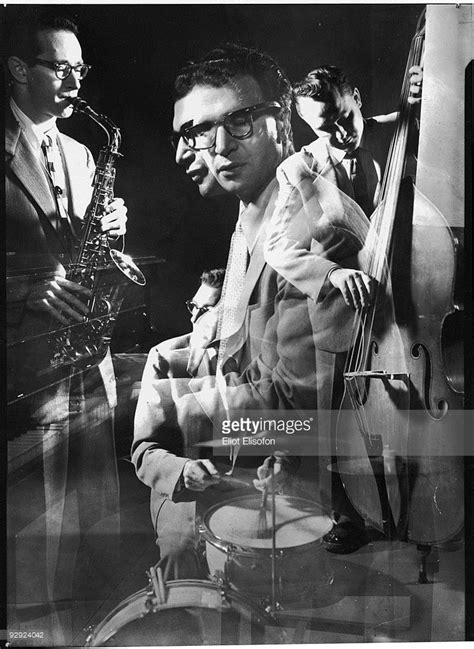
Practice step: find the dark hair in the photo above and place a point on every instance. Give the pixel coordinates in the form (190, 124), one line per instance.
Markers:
(222, 64)
(214, 278)
(22, 39)
(321, 83)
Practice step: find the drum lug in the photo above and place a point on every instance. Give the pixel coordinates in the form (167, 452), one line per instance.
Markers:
(219, 578)
(156, 589)
(90, 634)
(231, 550)
(222, 582)
(268, 608)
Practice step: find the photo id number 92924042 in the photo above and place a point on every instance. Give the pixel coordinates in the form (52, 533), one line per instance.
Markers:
(24, 635)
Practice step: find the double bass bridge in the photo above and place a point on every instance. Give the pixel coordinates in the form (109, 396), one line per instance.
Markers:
(357, 387)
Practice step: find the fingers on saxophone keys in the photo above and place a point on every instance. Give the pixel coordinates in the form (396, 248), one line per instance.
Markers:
(73, 287)
(60, 309)
(68, 303)
(45, 305)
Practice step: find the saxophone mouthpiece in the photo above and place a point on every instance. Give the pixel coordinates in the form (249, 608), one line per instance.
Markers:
(79, 105)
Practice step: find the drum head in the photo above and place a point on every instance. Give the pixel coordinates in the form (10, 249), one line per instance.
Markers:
(195, 613)
(298, 522)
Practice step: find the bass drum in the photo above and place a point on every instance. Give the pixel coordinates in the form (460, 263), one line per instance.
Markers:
(194, 612)
(236, 547)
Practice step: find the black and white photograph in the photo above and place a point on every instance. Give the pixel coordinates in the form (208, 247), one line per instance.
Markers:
(238, 324)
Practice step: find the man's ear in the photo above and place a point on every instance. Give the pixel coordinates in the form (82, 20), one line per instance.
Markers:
(17, 69)
(357, 97)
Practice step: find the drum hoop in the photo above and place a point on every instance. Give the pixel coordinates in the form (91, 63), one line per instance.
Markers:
(230, 547)
(138, 608)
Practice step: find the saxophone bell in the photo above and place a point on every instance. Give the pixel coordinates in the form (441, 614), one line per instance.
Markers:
(127, 266)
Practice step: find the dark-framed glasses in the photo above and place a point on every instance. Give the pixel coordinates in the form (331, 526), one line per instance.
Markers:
(191, 306)
(63, 69)
(238, 124)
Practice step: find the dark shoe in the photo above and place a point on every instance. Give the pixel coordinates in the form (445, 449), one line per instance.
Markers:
(345, 538)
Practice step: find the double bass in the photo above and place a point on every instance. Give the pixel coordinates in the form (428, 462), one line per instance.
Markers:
(399, 434)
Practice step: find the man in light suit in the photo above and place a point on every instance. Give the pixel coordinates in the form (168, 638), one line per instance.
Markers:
(233, 108)
(46, 199)
(349, 155)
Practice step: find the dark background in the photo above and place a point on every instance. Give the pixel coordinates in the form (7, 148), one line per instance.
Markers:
(136, 51)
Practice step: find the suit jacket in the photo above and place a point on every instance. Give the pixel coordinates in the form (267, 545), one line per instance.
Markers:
(317, 226)
(272, 367)
(323, 159)
(33, 245)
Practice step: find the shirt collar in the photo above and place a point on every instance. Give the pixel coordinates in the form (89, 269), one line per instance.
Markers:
(34, 132)
(262, 199)
(252, 215)
(323, 143)
(335, 154)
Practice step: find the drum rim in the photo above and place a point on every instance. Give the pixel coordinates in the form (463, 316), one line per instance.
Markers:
(229, 546)
(262, 616)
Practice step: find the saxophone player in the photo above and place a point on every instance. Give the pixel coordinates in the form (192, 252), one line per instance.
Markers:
(48, 186)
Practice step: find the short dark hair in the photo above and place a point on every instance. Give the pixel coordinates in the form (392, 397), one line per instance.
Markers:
(227, 61)
(320, 83)
(224, 63)
(213, 278)
(22, 38)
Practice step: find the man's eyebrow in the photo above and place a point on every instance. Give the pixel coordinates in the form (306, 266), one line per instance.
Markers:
(186, 124)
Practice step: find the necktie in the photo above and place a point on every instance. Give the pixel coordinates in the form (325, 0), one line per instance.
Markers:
(56, 174)
(232, 289)
(365, 188)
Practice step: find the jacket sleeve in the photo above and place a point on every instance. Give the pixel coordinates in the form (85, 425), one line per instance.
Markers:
(305, 240)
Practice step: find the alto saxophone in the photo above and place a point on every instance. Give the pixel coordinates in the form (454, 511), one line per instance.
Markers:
(85, 344)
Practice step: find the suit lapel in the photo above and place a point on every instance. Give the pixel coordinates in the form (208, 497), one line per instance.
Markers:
(329, 167)
(254, 270)
(32, 176)
(257, 260)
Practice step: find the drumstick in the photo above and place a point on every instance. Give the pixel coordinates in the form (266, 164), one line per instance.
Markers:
(232, 480)
(262, 530)
(273, 544)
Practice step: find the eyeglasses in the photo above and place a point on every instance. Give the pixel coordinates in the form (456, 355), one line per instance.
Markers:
(192, 305)
(238, 124)
(63, 69)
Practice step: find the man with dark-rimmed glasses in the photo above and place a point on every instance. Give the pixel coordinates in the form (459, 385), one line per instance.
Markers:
(48, 186)
(232, 109)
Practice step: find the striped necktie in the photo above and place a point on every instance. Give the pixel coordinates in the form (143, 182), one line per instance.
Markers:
(232, 289)
(55, 170)
(56, 173)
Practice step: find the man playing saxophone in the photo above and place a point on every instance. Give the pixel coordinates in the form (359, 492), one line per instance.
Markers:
(48, 185)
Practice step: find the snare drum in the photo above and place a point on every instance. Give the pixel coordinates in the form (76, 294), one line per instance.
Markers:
(194, 612)
(236, 546)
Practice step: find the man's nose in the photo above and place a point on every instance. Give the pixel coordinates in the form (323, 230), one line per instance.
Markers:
(198, 311)
(195, 314)
(73, 80)
(224, 141)
(184, 155)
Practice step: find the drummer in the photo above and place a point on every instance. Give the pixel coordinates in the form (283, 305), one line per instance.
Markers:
(232, 110)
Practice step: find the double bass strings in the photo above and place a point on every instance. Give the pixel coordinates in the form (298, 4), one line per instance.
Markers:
(378, 244)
